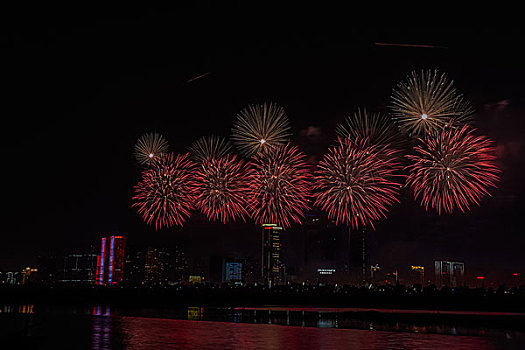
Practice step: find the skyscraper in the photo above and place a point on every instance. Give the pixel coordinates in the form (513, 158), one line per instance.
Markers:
(417, 275)
(156, 266)
(326, 248)
(110, 262)
(449, 273)
(359, 255)
(233, 272)
(272, 269)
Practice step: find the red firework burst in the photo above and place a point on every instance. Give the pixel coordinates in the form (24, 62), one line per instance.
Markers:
(165, 194)
(355, 183)
(452, 168)
(222, 188)
(280, 186)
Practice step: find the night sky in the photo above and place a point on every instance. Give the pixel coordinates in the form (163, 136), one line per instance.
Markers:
(78, 90)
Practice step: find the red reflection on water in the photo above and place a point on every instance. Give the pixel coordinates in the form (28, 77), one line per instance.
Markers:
(150, 333)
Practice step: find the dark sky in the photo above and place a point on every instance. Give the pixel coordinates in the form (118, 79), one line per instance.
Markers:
(78, 90)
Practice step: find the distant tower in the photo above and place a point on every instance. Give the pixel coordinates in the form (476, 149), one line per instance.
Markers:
(110, 262)
(359, 254)
(272, 268)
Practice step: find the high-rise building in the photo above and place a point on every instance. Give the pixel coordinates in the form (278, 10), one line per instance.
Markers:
(233, 272)
(134, 267)
(449, 273)
(359, 255)
(326, 248)
(80, 268)
(272, 268)
(417, 275)
(110, 261)
(179, 268)
(157, 266)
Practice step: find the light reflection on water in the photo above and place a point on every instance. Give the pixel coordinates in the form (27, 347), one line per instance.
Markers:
(141, 333)
(104, 327)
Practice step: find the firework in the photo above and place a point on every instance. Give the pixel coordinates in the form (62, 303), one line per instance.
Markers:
(354, 184)
(222, 188)
(150, 147)
(280, 186)
(428, 102)
(208, 148)
(165, 194)
(452, 168)
(259, 128)
(376, 128)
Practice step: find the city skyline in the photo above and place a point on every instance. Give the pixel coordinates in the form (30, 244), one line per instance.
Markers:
(94, 133)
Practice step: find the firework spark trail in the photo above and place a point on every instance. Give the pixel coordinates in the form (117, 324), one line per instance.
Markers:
(259, 128)
(208, 148)
(222, 188)
(165, 194)
(150, 147)
(280, 186)
(354, 185)
(428, 102)
(376, 128)
(452, 168)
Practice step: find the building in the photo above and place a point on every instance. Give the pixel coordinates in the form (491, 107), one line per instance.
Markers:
(134, 267)
(375, 274)
(326, 247)
(156, 266)
(233, 272)
(110, 261)
(449, 273)
(11, 278)
(359, 255)
(29, 275)
(179, 266)
(392, 277)
(80, 268)
(417, 275)
(271, 265)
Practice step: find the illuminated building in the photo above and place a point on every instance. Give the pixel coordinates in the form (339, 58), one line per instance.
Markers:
(326, 245)
(195, 279)
(156, 266)
(179, 269)
(449, 273)
(28, 275)
(80, 268)
(11, 278)
(233, 272)
(326, 275)
(134, 267)
(110, 261)
(417, 274)
(272, 268)
(375, 271)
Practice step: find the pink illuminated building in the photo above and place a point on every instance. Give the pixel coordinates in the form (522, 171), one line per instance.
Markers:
(110, 261)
